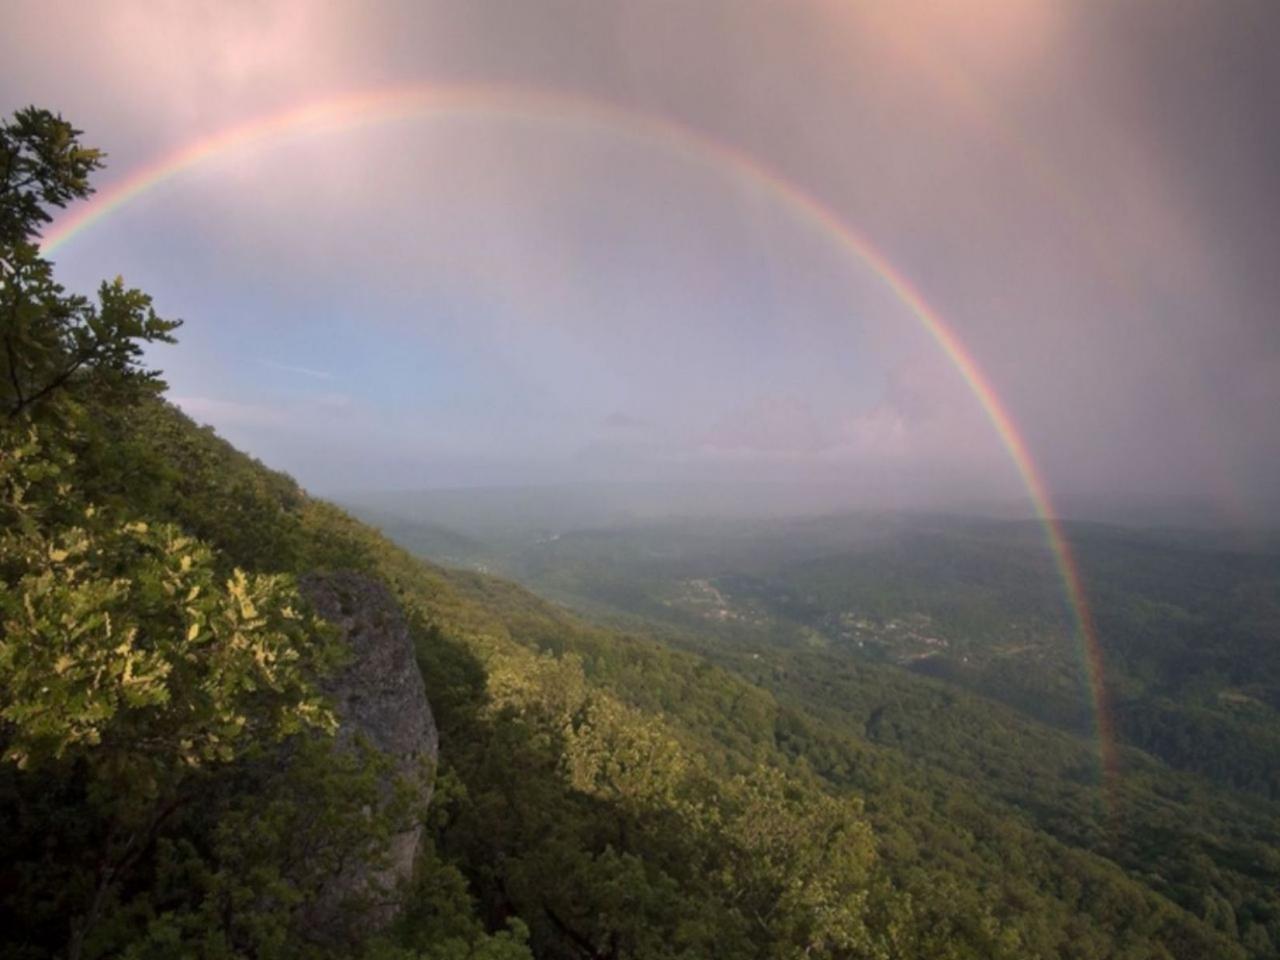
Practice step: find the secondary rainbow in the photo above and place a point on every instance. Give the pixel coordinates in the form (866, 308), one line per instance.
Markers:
(376, 106)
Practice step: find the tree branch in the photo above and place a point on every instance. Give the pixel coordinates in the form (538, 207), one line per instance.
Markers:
(108, 872)
(13, 371)
(80, 360)
(579, 941)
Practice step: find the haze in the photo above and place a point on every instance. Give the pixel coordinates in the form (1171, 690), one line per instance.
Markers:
(1087, 194)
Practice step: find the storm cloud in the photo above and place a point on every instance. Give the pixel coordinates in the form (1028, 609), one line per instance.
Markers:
(1087, 194)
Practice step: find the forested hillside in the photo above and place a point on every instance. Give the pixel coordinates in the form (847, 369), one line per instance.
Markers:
(947, 644)
(602, 791)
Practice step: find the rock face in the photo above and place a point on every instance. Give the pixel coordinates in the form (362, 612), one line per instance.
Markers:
(378, 697)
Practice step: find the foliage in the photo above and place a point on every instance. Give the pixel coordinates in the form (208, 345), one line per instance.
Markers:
(121, 648)
(146, 682)
(59, 348)
(42, 165)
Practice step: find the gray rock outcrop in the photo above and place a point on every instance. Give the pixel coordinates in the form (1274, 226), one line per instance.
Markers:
(379, 699)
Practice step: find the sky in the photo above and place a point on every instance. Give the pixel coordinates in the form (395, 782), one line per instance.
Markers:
(592, 241)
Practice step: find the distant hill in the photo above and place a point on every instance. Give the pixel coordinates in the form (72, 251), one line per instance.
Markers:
(908, 629)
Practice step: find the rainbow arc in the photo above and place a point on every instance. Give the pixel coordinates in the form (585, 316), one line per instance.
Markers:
(382, 105)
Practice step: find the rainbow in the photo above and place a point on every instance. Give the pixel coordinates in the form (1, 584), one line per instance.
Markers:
(377, 106)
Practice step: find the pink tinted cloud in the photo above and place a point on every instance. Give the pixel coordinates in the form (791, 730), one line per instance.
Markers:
(767, 425)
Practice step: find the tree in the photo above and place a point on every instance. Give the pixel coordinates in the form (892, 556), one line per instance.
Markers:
(134, 660)
(42, 165)
(58, 345)
(129, 667)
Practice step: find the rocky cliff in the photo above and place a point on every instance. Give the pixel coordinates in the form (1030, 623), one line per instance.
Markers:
(380, 701)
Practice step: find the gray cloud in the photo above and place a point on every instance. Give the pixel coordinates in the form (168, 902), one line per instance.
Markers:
(1087, 194)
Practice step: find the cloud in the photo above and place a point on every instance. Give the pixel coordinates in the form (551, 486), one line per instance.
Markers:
(223, 414)
(291, 368)
(297, 414)
(1082, 192)
(334, 401)
(618, 420)
(768, 425)
(881, 433)
(925, 416)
